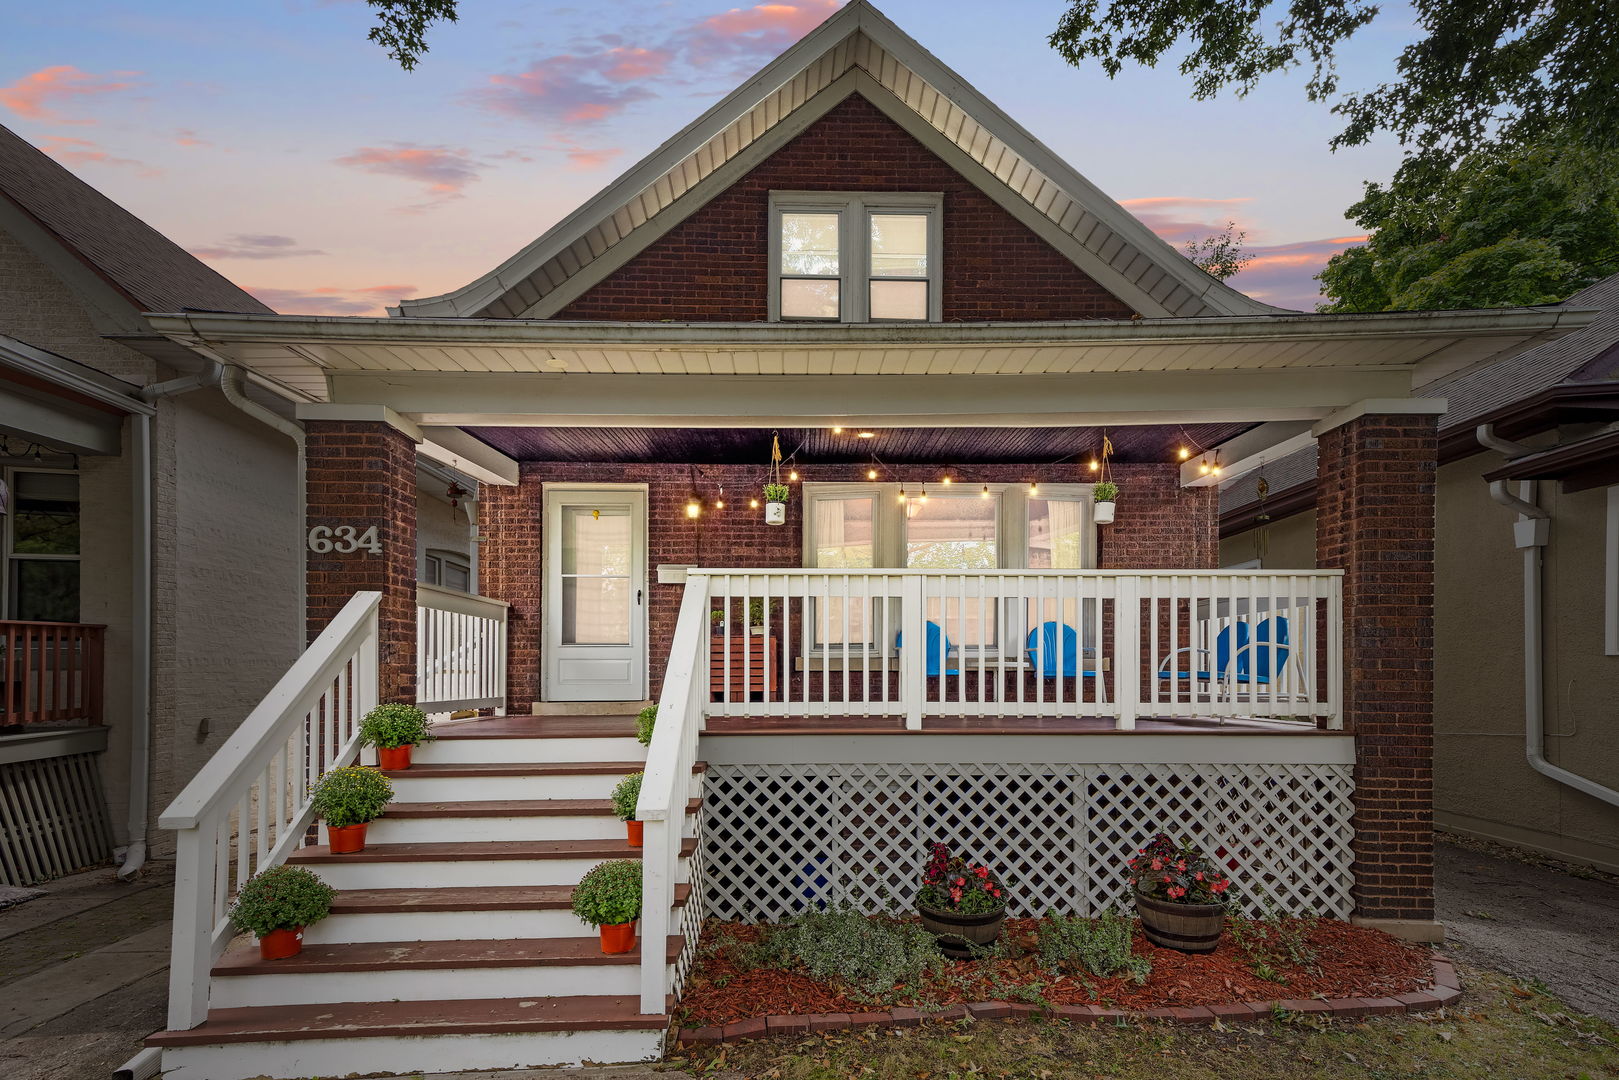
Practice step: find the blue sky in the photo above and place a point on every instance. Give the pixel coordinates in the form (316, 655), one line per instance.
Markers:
(272, 139)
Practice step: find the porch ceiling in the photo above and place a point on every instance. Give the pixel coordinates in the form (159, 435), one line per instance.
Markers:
(894, 446)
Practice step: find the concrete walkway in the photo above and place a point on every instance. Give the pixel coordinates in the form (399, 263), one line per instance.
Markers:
(1532, 922)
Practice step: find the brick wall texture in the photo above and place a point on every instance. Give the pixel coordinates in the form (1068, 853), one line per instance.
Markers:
(1375, 521)
(511, 558)
(362, 474)
(714, 265)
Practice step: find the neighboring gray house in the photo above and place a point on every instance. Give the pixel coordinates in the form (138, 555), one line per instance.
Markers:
(1560, 402)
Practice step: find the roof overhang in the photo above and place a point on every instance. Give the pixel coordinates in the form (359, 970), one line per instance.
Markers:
(1227, 368)
(52, 400)
(1588, 463)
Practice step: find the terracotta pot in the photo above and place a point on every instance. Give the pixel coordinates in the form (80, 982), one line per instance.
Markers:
(1191, 928)
(346, 839)
(957, 932)
(280, 944)
(618, 937)
(394, 758)
(633, 829)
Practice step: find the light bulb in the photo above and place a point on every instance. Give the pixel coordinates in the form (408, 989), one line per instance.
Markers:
(793, 475)
(719, 504)
(923, 497)
(902, 494)
(868, 435)
(985, 493)
(945, 481)
(1215, 470)
(1203, 467)
(1185, 453)
(837, 431)
(1034, 489)
(871, 474)
(1095, 465)
(753, 504)
(693, 507)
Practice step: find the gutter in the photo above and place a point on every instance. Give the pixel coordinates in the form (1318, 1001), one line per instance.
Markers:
(1531, 532)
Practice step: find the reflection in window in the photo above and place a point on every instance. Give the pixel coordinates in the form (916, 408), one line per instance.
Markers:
(810, 287)
(44, 555)
(950, 533)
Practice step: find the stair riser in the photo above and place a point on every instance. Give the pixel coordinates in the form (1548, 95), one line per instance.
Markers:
(466, 788)
(477, 751)
(386, 830)
(459, 873)
(446, 926)
(537, 982)
(407, 1054)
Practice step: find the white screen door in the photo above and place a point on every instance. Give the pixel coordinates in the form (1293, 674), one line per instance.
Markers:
(595, 588)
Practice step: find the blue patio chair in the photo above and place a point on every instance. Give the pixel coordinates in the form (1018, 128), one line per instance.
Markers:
(1042, 651)
(1253, 662)
(939, 649)
(1220, 671)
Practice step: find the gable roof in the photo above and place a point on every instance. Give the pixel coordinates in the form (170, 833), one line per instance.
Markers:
(857, 50)
(145, 267)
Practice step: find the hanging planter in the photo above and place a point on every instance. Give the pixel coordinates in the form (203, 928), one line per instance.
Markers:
(776, 496)
(1105, 495)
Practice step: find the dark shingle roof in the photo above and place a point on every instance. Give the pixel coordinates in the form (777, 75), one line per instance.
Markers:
(155, 273)
(1482, 390)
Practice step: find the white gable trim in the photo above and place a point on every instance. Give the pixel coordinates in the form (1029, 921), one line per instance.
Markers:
(858, 40)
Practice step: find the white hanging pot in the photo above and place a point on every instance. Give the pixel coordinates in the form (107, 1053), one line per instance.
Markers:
(1104, 513)
(775, 513)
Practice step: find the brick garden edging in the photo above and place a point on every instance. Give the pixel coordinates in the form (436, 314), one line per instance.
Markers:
(1445, 988)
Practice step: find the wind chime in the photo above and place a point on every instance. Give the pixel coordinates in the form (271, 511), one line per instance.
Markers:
(1262, 519)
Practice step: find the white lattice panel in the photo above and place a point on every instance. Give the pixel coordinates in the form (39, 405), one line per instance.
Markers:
(779, 838)
(690, 918)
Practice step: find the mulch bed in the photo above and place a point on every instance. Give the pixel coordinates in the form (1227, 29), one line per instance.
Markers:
(1350, 962)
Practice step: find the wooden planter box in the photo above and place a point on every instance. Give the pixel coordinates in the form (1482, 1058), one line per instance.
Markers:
(753, 686)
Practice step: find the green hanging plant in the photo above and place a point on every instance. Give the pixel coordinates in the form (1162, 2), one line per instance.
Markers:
(1105, 491)
(777, 493)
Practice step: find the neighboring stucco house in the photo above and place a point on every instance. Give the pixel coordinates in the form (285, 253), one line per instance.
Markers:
(153, 577)
(1559, 403)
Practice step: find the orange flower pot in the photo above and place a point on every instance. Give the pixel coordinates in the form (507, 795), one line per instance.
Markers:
(280, 944)
(346, 839)
(618, 937)
(393, 758)
(633, 828)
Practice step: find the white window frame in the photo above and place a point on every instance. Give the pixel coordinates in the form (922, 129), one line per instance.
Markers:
(8, 581)
(854, 247)
(435, 559)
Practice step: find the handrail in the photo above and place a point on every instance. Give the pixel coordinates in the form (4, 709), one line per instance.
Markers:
(248, 808)
(460, 650)
(666, 782)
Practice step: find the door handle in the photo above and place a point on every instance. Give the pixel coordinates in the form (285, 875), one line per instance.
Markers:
(638, 597)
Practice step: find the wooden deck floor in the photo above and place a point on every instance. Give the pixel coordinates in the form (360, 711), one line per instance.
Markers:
(531, 727)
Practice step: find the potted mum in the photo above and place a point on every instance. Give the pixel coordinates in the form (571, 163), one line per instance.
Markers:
(1180, 895)
(1104, 495)
(609, 897)
(625, 796)
(961, 904)
(645, 721)
(393, 729)
(348, 799)
(275, 906)
(776, 496)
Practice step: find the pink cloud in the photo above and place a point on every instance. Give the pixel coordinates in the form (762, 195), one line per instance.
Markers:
(71, 151)
(187, 137)
(756, 33)
(572, 90)
(442, 170)
(1284, 274)
(634, 64)
(1178, 218)
(38, 96)
(331, 299)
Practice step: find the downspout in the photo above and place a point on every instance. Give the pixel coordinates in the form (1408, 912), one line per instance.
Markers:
(1531, 533)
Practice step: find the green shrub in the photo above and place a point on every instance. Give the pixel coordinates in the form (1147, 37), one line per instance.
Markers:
(626, 795)
(867, 954)
(281, 898)
(610, 893)
(352, 795)
(393, 725)
(1105, 491)
(644, 722)
(1098, 946)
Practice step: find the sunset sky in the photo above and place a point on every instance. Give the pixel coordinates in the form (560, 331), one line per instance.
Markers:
(272, 140)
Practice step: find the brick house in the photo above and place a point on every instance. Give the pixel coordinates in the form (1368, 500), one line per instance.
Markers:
(952, 338)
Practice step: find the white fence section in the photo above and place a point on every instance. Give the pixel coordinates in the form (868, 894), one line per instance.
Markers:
(1102, 643)
(782, 839)
(460, 650)
(248, 808)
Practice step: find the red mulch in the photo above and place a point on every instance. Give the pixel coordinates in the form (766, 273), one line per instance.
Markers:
(1350, 962)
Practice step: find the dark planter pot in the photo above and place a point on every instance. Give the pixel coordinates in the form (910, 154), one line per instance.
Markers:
(280, 944)
(957, 932)
(1191, 928)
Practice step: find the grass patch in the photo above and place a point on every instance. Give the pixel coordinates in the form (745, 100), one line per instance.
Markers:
(1501, 1028)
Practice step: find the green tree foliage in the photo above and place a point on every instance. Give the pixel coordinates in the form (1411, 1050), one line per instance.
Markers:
(1478, 71)
(1220, 254)
(1527, 226)
(402, 26)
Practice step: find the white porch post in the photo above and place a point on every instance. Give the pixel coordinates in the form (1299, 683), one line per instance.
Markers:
(1127, 646)
(913, 656)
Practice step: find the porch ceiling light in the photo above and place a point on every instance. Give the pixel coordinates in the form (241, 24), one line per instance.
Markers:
(837, 431)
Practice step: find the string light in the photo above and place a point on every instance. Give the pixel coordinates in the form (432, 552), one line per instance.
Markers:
(793, 475)
(1095, 464)
(902, 494)
(1185, 453)
(753, 504)
(837, 431)
(693, 507)
(1034, 489)
(871, 474)
(867, 435)
(719, 501)
(945, 481)
(985, 493)
(1203, 466)
(924, 496)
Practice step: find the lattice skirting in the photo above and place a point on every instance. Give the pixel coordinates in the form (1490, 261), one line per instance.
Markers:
(53, 818)
(690, 918)
(778, 839)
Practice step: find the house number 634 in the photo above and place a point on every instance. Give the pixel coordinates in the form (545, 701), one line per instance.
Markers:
(343, 539)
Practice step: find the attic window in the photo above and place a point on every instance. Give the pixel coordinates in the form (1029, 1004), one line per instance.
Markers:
(855, 257)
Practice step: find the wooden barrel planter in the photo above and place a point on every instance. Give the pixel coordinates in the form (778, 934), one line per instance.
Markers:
(959, 934)
(1191, 928)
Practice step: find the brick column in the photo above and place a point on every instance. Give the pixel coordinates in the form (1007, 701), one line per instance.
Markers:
(1375, 521)
(511, 561)
(362, 474)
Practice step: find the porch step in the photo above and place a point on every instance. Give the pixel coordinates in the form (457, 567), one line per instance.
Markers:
(367, 915)
(359, 1038)
(467, 865)
(501, 819)
(527, 738)
(512, 780)
(470, 968)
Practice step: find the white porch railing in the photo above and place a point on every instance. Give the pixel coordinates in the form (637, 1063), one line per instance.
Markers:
(460, 650)
(249, 807)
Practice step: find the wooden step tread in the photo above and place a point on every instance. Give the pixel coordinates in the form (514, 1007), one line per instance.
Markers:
(485, 898)
(541, 727)
(524, 768)
(389, 1019)
(496, 808)
(481, 851)
(242, 958)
